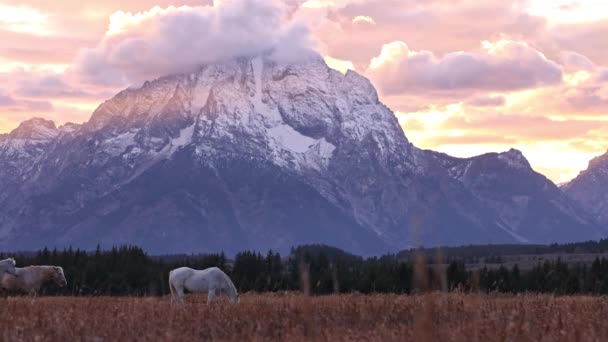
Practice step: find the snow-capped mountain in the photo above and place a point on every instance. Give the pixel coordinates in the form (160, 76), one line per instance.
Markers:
(251, 154)
(525, 203)
(589, 188)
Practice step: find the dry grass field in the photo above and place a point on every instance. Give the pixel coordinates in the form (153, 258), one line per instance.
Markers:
(430, 317)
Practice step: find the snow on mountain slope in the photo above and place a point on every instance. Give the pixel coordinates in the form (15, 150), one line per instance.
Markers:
(254, 154)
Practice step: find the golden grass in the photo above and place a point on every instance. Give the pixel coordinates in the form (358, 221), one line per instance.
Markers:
(429, 317)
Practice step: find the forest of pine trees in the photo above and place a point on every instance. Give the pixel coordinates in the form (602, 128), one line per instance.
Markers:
(316, 270)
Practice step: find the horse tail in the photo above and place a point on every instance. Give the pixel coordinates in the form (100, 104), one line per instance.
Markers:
(172, 288)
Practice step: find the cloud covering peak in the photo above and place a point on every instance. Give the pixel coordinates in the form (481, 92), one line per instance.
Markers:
(163, 41)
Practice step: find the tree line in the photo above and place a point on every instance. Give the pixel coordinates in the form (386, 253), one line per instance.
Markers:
(495, 253)
(315, 270)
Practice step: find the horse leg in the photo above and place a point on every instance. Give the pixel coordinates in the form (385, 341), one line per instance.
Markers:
(180, 294)
(172, 289)
(210, 296)
(34, 294)
(217, 295)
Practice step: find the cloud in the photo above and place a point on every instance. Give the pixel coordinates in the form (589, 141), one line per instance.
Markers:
(338, 64)
(603, 76)
(171, 40)
(572, 60)
(53, 86)
(587, 38)
(473, 139)
(364, 19)
(38, 106)
(24, 19)
(429, 25)
(584, 94)
(503, 65)
(523, 127)
(9, 103)
(6, 100)
(31, 48)
(588, 98)
(547, 140)
(486, 101)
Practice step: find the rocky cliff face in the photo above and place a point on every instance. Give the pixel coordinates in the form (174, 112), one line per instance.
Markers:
(250, 154)
(590, 187)
(525, 203)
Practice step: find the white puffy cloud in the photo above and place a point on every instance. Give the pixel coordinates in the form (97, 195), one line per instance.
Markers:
(338, 64)
(364, 19)
(502, 65)
(162, 41)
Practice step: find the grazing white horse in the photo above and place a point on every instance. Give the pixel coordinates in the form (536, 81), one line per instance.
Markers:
(208, 280)
(7, 266)
(30, 279)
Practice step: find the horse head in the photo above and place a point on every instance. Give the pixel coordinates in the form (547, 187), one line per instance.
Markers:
(10, 266)
(58, 276)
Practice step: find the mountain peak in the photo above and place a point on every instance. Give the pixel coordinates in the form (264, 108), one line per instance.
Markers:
(514, 158)
(599, 161)
(589, 188)
(35, 129)
(297, 109)
(259, 154)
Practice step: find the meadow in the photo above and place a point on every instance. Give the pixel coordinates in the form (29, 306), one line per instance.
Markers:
(295, 317)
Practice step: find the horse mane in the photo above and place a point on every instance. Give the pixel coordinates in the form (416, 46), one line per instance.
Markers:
(48, 271)
(8, 261)
(231, 287)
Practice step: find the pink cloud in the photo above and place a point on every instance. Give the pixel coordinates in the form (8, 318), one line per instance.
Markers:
(46, 85)
(428, 25)
(588, 98)
(158, 42)
(486, 101)
(603, 76)
(523, 127)
(574, 61)
(8, 103)
(441, 65)
(31, 48)
(586, 38)
(504, 65)
(54, 86)
(6, 100)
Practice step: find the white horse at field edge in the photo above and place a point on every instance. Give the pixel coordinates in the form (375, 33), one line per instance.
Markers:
(8, 266)
(31, 278)
(208, 280)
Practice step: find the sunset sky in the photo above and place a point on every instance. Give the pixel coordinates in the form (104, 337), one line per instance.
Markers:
(464, 77)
